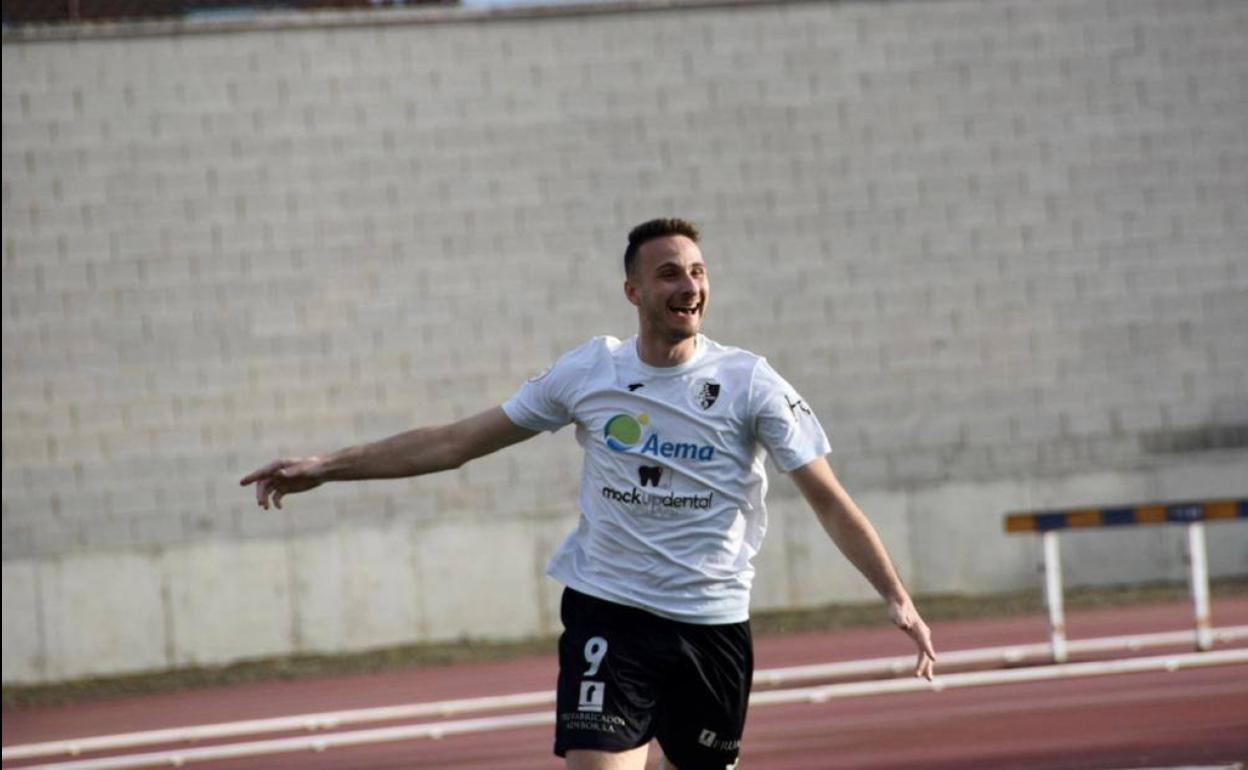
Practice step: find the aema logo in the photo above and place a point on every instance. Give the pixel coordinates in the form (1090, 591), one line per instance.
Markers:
(623, 432)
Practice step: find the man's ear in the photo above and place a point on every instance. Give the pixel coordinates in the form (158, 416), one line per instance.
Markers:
(630, 291)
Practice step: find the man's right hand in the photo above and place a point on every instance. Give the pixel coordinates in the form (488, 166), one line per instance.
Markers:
(284, 477)
(411, 453)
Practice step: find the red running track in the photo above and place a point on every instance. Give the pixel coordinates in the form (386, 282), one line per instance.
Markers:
(1157, 719)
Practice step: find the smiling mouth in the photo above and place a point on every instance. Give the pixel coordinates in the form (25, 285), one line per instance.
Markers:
(688, 311)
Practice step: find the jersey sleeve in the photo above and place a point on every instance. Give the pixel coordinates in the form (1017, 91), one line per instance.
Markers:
(783, 422)
(543, 403)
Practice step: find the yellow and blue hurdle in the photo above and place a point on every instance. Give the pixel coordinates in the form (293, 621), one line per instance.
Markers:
(1191, 514)
(1170, 513)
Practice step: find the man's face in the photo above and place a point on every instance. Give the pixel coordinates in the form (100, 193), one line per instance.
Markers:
(669, 286)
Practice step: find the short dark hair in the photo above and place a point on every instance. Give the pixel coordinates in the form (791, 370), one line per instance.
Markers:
(655, 228)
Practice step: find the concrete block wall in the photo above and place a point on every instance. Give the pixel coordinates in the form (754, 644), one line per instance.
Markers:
(999, 245)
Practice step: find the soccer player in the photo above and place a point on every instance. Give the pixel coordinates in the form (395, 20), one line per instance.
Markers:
(675, 428)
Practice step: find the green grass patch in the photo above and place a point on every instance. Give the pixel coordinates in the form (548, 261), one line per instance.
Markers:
(294, 667)
(936, 608)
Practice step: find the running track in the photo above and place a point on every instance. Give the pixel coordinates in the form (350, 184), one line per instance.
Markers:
(1125, 721)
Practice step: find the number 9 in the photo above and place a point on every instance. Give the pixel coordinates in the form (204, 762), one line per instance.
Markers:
(595, 651)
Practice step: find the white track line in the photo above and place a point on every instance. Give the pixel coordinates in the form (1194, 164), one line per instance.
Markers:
(1009, 654)
(1008, 676)
(799, 695)
(774, 676)
(1233, 766)
(323, 721)
(320, 743)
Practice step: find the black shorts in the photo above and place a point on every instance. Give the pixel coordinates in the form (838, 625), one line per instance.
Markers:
(627, 676)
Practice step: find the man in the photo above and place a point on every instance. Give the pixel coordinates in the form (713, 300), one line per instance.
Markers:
(656, 640)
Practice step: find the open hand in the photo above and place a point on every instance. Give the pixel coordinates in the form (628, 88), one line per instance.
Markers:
(907, 619)
(283, 477)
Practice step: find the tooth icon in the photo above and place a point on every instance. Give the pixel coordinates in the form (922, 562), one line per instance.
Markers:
(650, 474)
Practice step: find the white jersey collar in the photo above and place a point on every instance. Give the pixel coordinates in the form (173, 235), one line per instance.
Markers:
(668, 371)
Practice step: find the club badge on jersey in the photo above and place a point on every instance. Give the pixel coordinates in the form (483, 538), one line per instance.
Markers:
(704, 392)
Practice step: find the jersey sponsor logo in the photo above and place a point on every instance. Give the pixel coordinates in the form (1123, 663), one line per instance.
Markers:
(593, 721)
(658, 504)
(623, 432)
(655, 476)
(593, 695)
(704, 392)
(650, 474)
(678, 450)
(632, 386)
(711, 740)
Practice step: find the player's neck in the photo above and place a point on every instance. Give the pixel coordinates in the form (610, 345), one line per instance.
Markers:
(654, 350)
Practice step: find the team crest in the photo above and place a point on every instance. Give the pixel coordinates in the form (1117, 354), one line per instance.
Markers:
(705, 393)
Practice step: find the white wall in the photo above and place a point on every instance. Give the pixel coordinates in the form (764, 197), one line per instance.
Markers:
(999, 246)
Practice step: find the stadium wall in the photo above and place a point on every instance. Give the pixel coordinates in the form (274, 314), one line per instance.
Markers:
(999, 246)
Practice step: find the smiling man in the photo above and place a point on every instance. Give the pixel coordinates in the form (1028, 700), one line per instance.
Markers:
(675, 429)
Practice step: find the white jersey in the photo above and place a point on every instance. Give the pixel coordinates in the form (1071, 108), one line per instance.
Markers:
(672, 489)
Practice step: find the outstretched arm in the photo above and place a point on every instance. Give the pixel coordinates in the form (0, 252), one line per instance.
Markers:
(853, 534)
(413, 453)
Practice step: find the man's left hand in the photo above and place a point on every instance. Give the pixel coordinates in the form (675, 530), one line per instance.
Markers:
(907, 619)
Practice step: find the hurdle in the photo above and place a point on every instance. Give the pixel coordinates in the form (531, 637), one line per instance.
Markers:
(1192, 515)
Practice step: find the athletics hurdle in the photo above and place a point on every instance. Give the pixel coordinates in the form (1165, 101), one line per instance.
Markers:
(1192, 514)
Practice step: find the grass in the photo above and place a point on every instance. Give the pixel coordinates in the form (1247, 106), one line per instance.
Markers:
(937, 608)
(294, 667)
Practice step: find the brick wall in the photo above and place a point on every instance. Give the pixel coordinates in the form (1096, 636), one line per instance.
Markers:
(987, 240)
